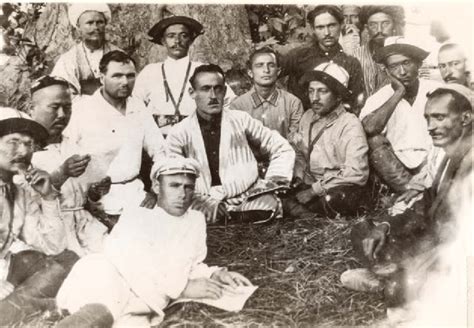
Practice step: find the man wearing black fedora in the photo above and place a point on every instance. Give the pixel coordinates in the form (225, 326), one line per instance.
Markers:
(329, 176)
(393, 117)
(163, 86)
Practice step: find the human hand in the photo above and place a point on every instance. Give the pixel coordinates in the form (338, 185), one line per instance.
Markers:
(230, 278)
(99, 189)
(6, 289)
(149, 201)
(202, 288)
(407, 196)
(40, 181)
(397, 85)
(305, 196)
(75, 165)
(375, 241)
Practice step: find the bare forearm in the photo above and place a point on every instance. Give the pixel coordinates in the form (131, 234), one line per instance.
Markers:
(375, 122)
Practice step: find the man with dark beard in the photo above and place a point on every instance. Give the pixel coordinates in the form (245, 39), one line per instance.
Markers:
(381, 22)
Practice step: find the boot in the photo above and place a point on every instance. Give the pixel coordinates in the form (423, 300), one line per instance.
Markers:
(90, 315)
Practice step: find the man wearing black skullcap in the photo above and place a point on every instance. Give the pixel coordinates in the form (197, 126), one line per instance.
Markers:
(380, 22)
(33, 262)
(164, 86)
(326, 22)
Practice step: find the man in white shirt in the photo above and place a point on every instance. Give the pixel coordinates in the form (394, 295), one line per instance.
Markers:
(113, 128)
(393, 117)
(151, 257)
(164, 86)
(80, 65)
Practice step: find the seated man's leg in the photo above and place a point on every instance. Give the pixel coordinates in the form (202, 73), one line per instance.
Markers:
(37, 278)
(386, 164)
(258, 210)
(93, 280)
(344, 200)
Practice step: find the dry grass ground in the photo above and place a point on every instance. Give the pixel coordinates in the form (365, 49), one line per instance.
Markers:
(296, 265)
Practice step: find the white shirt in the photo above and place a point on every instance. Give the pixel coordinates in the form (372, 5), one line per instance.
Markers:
(94, 57)
(406, 129)
(98, 129)
(149, 86)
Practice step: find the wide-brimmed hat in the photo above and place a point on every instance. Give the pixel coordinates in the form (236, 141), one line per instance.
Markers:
(334, 76)
(14, 121)
(175, 165)
(399, 45)
(75, 11)
(157, 31)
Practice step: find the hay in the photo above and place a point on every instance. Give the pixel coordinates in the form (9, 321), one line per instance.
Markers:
(296, 265)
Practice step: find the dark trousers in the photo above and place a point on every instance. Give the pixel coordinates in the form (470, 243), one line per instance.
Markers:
(37, 278)
(344, 200)
(386, 164)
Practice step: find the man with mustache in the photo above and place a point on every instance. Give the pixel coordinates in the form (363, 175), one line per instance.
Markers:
(223, 141)
(152, 257)
(411, 240)
(331, 167)
(381, 22)
(393, 116)
(113, 128)
(33, 262)
(51, 107)
(452, 64)
(80, 65)
(163, 86)
(326, 22)
(276, 108)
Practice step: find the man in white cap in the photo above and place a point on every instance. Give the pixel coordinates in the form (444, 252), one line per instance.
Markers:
(32, 236)
(393, 117)
(163, 86)
(223, 142)
(331, 167)
(51, 107)
(114, 127)
(394, 244)
(151, 257)
(80, 64)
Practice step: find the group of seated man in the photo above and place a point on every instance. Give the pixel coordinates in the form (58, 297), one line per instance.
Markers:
(79, 224)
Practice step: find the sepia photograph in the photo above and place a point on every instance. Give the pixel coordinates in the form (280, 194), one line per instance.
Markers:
(205, 164)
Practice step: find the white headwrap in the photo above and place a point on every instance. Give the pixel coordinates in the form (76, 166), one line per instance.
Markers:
(77, 9)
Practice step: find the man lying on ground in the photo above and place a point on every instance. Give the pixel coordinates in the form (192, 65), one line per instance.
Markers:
(151, 257)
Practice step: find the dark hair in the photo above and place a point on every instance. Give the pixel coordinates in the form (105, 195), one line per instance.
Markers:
(263, 50)
(114, 56)
(458, 103)
(397, 13)
(331, 10)
(206, 68)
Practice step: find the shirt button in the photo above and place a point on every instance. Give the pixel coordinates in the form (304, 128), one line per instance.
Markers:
(113, 131)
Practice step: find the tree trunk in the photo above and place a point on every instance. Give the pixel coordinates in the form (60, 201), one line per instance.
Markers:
(226, 40)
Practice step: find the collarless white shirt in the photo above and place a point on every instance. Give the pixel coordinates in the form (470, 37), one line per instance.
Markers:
(406, 129)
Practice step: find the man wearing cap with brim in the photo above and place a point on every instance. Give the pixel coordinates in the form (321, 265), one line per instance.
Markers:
(326, 23)
(164, 86)
(393, 117)
(151, 257)
(51, 107)
(331, 167)
(80, 64)
(410, 242)
(380, 22)
(32, 235)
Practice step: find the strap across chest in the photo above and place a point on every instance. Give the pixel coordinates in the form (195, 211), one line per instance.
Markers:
(169, 94)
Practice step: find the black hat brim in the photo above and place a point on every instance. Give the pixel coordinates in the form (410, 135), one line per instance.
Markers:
(333, 84)
(24, 126)
(157, 31)
(400, 48)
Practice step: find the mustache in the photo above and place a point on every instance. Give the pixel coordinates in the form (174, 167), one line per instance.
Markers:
(22, 160)
(213, 102)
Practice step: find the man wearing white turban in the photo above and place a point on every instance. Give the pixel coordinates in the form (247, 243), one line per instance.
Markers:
(80, 65)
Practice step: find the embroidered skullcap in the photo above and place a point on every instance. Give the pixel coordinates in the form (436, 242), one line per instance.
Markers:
(333, 75)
